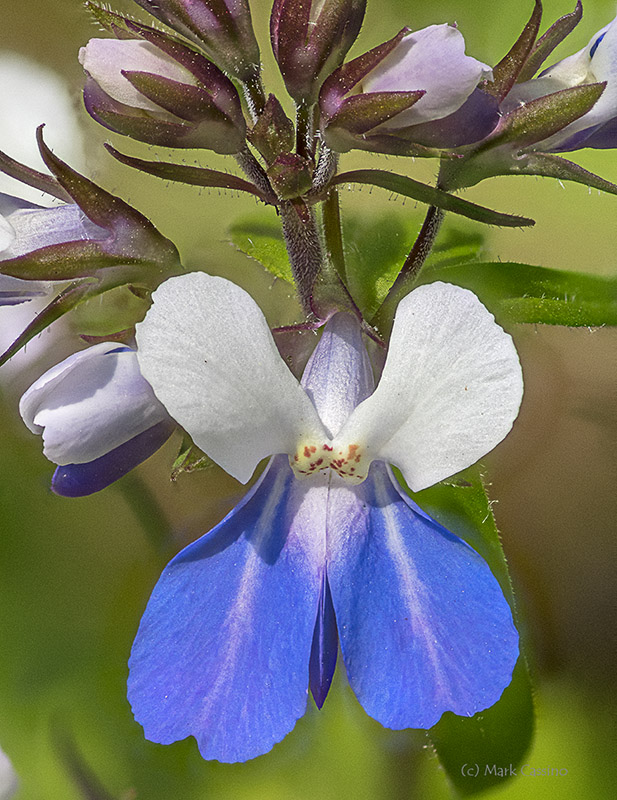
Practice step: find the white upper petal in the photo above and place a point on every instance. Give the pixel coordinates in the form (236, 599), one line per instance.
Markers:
(450, 390)
(90, 403)
(432, 59)
(105, 59)
(207, 350)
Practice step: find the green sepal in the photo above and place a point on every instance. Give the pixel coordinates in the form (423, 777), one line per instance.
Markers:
(363, 112)
(541, 118)
(110, 20)
(32, 177)
(502, 734)
(184, 100)
(497, 161)
(273, 133)
(552, 166)
(65, 261)
(545, 45)
(132, 235)
(58, 307)
(189, 459)
(195, 176)
(409, 187)
(522, 293)
(505, 74)
(262, 240)
(291, 175)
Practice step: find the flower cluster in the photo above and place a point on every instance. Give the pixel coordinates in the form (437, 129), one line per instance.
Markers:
(326, 547)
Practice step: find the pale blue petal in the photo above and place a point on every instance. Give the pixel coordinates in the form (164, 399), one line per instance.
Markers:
(423, 624)
(223, 648)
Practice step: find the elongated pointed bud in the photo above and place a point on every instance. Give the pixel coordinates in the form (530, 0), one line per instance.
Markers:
(156, 89)
(310, 39)
(223, 28)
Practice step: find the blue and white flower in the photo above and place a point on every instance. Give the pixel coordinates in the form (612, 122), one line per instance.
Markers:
(595, 63)
(325, 546)
(98, 418)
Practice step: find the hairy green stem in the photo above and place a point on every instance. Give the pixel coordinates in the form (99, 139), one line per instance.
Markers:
(303, 247)
(254, 97)
(408, 275)
(305, 131)
(333, 233)
(255, 172)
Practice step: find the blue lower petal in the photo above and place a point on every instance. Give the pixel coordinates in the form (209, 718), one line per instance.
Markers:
(223, 648)
(423, 624)
(80, 480)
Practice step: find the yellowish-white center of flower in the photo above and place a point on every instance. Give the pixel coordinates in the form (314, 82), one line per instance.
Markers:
(348, 460)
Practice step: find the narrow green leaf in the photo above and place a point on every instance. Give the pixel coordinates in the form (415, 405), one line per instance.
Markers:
(524, 293)
(182, 173)
(484, 750)
(263, 240)
(58, 307)
(409, 187)
(551, 166)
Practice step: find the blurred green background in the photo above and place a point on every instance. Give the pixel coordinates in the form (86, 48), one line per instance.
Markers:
(75, 574)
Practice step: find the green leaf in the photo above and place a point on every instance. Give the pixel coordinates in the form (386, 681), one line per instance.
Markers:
(262, 240)
(480, 751)
(401, 184)
(525, 293)
(183, 173)
(455, 246)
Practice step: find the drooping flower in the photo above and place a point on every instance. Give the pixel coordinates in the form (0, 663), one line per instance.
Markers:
(244, 621)
(98, 418)
(24, 228)
(595, 63)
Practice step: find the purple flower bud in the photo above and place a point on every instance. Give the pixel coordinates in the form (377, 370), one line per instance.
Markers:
(89, 406)
(311, 39)
(406, 91)
(161, 92)
(223, 28)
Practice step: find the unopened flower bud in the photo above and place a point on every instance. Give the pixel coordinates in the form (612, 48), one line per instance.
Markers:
(404, 90)
(223, 28)
(311, 39)
(157, 90)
